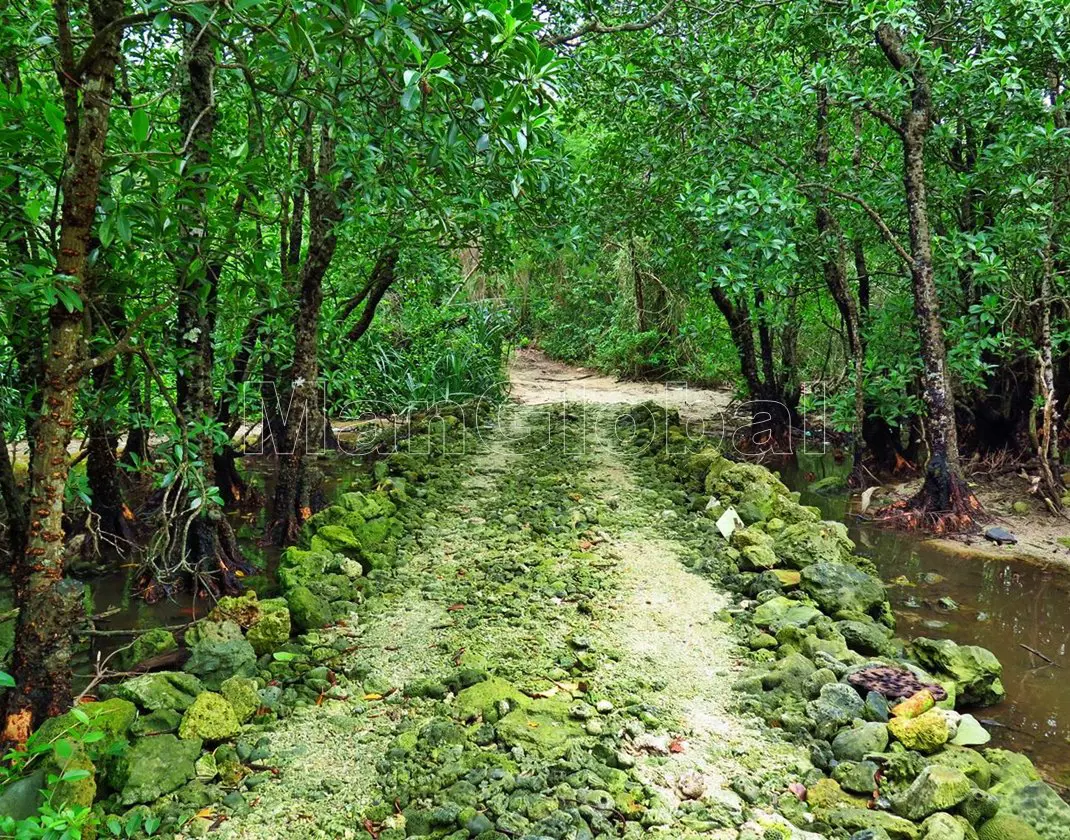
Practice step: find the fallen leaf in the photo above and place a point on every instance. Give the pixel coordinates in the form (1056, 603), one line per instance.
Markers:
(867, 496)
(676, 745)
(373, 696)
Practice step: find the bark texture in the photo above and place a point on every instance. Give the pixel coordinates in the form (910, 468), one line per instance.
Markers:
(944, 493)
(43, 641)
(293, 493)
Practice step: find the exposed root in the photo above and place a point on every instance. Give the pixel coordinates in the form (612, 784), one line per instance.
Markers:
(944, 505)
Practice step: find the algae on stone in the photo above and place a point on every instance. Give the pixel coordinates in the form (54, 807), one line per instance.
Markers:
(210, 718)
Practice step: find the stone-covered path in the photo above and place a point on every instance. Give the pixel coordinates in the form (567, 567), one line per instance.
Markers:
(554, 570)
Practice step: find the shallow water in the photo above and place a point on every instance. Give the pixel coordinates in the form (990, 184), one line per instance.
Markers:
(1006, 606)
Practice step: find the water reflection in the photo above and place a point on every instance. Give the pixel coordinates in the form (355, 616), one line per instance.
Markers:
(1018, 610)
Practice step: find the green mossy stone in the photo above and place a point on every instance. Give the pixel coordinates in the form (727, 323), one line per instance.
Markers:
(863, 819)
(242, 695)
(152, 643)
(112, 717)
(1007, 827)
(308, 611)
(487, 700)
(72, 793)
(866, 637)
(270, 632)
(1010, 771)
(925, 734)
(856, 776)
(161, 690)
(216, 655)
(976, 670)
(968, 761)
(156, 723)
(863, 739)
(943, 826)
(1037, 804)
(541, 727)
(806, 543)
(838, 586)
(936, 789)
(210, 718)
(153, 767)
(336, 539)
(828, 794)
(243, 610)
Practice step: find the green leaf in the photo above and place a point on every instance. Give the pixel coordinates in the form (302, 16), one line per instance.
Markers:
(439, 59)
(410, 98)
(283, 656)
(75, 775)
(6, 680)
(64, 749)
(139, 125)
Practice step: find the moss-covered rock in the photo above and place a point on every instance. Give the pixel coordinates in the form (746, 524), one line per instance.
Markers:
(242, 695)
(308, 611)
(976, 670)
(1007, 827)
(1010, 771)
(863, 819)
(866, 637)
(271, 630)
(541, 726)
(149, 644)
(937, 788)
(806, 543)
(77, 787)
(336, 539)
(969, 761)
(856, 742)
(210, 718)
(112, 717)
(488, 700)
(219, 651)
(243, 610)
(925, 733)
(941, 826)
(1037, 804)
(161, 690)
(826, 794)
(837, 587)
(781, 611)
(153, 767)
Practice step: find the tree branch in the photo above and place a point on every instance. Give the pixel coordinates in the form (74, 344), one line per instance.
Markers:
(593, 27)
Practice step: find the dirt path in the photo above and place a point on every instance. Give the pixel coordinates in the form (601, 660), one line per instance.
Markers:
(554, 569)
(536, 379)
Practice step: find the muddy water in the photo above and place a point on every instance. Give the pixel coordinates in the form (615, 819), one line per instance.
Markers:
(1008, 606)
(112, 596)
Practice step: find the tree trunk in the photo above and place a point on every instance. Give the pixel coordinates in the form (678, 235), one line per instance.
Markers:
(43, 641)
(944, 493)
(293, 494)
(382, 278)
(1048, 428)
(208, 545)
(834, 265)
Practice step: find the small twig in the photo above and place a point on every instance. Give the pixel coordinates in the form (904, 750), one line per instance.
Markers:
(1036, 652)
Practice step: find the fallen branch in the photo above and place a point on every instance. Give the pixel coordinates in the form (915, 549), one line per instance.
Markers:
(1036, 652)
